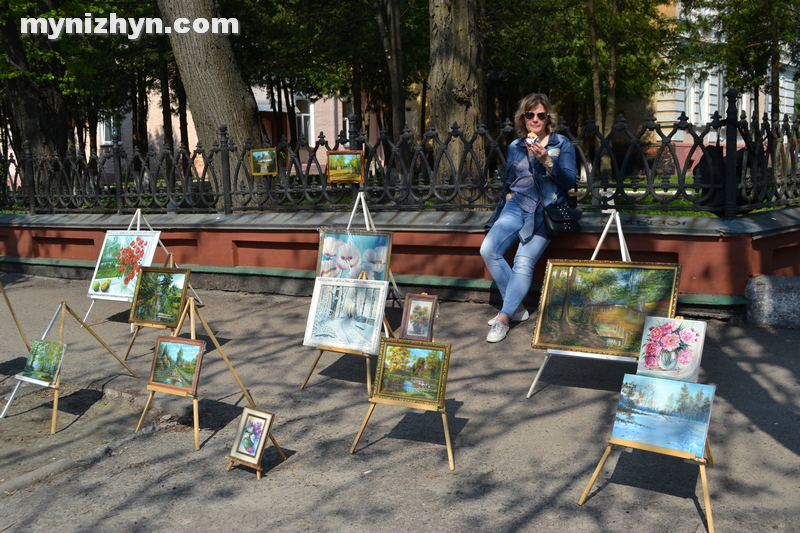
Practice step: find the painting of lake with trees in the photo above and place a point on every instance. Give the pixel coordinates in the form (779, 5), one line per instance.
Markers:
(666, 413)
(412, 370)
(600, 306)
(160, 296)
(176, 364)
(43, 363)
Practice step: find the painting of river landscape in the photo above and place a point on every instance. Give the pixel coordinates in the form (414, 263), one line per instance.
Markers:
(600, 306)
(412, 371)
(160, 296)
(43, 363)
(176, 365)
(665, 413)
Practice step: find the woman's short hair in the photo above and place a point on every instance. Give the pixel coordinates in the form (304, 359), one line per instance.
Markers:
(528, 103)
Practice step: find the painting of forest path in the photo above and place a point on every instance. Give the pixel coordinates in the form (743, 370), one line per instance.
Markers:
(600, 307)
(43, 363)
(345, 166)
(666, 413)
(176, 363)
(160, 296)
(412, 370)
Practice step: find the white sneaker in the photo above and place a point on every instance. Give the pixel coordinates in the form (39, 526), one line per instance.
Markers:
(519, 316)
(497, 333)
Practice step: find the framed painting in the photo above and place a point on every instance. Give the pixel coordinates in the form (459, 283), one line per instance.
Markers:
(671, 348)
(600, 306)
(264, 162)
(412, 373)
(347, 254)
(176, 365)
(251, 436)
(345, 166)
(418, 315)
(123, 255)
(664, 413)
(347, 313)
(43, 363)
(160, 296)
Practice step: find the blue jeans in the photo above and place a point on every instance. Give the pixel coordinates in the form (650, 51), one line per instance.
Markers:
(513, 282)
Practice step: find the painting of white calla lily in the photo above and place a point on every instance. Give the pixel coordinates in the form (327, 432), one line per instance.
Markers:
(347, 254)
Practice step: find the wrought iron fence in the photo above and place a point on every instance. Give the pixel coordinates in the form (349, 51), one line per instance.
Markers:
(729, 167)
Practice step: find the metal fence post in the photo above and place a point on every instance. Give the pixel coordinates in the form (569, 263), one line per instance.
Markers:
(731, 136)
(226, 169)
(116, 158)
(30, 181)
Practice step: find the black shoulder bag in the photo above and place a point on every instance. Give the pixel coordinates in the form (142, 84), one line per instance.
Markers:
(561, 220)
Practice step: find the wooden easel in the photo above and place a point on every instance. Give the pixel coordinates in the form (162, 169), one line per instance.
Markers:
(137, 218)
(257, 467)
(626, 257)
(701, 461)
(361, 201)
(169, 263)
(194, 314)
(441, 409)
(62, 310)
(322, 349)
(14, 316)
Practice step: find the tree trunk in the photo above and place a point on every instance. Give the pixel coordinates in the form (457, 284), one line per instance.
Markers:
(166, 111)
(387, 13)
(215, 90)
(596, 92)
(454, 82)
(611, 96)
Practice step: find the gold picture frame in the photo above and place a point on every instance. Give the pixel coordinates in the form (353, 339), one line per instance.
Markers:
(345, 166)
(252, 436)
(263, 162)
(160, 296)
(176, 365)
(600, 306)
(411, 373)
(419, 313)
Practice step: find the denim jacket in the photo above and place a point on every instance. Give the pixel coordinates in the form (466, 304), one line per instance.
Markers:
(553, 186)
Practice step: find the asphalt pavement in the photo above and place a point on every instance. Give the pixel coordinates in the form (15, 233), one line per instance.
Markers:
(521, 464)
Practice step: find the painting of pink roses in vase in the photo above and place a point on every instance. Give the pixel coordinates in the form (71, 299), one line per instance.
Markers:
(671, 348)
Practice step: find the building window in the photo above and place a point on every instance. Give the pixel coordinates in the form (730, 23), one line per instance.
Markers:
(303, 109)
(107, 128)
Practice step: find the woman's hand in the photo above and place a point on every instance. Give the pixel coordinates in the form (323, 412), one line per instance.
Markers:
(539, 151)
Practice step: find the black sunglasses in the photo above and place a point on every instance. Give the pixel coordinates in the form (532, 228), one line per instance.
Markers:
(541, 115)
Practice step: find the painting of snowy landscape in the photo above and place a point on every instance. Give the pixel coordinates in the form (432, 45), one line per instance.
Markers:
(665, 413)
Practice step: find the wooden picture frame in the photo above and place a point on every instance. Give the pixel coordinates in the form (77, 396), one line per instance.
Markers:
(122, 256)
(347, 313)
(419, 313)
(663, 414)
(176, 365)
(43, 363)
(263, 162)
(671, 348)
(345, 166)
(347, 253)
(600, 306)
(252, 436)
(160, 296)
(412, 373)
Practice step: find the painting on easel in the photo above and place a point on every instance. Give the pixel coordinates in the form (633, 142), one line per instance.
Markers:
(412, 372)
(671, 348)
(176, 365)
(348, 253)
(43, 363)
(600, 306)
(251, 436)
(160, 296)
(664, 413)
(418, 314)
(346, 313)
(123, 255)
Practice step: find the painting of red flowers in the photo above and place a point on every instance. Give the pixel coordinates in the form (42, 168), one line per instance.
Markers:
(122, 257)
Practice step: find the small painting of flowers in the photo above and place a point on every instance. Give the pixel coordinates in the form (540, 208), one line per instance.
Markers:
(122, 257)
(671, 348)
(349, 253)
(418, 314)
(251, 436)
